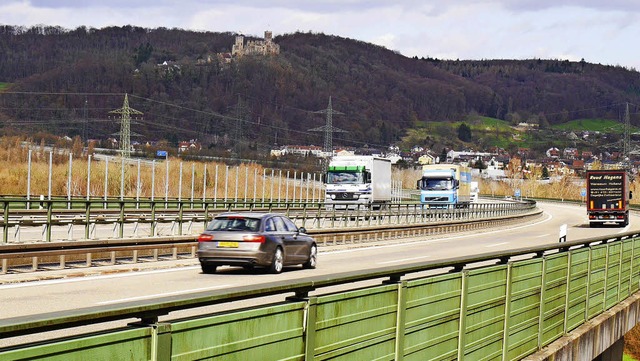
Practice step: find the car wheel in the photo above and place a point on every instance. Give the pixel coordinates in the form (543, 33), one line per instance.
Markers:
(208, 268)
(313, 258)
(278, 261)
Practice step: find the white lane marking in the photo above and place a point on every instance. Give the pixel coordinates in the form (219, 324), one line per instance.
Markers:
(161, 295)
(496, 244)
(543, 235)
(549, 217)
(141, 273)
(93, 277)
(403, 260)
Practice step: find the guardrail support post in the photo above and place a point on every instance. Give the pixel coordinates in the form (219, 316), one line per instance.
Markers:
(160, 338)
(400, 316)
(309, 323)
(87, 220)
(121, 220)
(153, 219)
(180, 219)
(49, 217)
(5, 227)
(462, 331)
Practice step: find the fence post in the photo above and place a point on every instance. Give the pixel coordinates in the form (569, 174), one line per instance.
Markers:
(5, 227)
(49, 218)
(87, 219)
(121, 220)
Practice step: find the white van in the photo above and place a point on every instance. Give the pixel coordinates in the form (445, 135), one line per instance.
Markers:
(474, 192)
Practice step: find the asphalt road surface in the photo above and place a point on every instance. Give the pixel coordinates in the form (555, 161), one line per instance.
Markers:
(111, 285)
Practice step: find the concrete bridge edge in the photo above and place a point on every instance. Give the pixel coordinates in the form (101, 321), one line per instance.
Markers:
(601, 334)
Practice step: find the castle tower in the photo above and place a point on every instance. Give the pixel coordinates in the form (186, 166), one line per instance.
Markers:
(238, 47)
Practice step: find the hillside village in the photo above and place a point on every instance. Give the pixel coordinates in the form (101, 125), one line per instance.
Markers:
(496, 163)
(493, 163)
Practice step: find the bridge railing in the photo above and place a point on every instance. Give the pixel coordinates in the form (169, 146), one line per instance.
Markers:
(497, 305)
(183, 215)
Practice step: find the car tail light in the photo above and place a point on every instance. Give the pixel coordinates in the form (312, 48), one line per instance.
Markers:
(254, 238)
(205, 238)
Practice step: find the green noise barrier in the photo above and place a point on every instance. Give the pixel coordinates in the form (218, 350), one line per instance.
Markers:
(493, 311)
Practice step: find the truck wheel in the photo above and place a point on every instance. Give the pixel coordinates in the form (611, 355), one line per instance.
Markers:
(593, 224)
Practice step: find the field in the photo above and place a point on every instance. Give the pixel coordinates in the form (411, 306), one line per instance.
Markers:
(594, 125)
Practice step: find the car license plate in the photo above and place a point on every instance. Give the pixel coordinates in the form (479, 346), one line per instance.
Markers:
(228, 244)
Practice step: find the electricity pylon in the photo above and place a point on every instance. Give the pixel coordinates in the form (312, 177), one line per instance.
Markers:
(125, 126)
(328, 128)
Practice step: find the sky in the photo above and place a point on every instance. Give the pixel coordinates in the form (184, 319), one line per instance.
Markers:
(598, 31)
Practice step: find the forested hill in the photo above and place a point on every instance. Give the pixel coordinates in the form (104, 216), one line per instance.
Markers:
(53, 78)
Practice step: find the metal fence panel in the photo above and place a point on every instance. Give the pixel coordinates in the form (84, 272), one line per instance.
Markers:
(626, 267)
(577, 288)
(556, 268)
(634, 282)
(274, 330)
(614, 258)
(129, 344)
(485, 313)
(357, 325)
(597, 278)
(524, 309)
(433, 318)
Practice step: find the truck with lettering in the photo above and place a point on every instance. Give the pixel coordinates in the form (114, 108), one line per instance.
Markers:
(445, 186)
(358, 182)
(608, 197)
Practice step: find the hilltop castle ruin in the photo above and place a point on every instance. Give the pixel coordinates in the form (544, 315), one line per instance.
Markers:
(255, 47)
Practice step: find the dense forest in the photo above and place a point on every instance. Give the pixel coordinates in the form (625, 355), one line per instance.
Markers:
(68, 82)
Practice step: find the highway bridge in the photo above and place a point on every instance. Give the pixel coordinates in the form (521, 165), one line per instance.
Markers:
(506, 293)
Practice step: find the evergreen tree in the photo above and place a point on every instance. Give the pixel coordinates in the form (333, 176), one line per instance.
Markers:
(464, 133)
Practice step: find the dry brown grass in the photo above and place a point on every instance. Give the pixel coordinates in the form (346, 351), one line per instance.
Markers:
(14, 175)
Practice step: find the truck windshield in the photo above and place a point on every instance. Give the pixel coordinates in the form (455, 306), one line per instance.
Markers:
(344, 178)
(430, 184)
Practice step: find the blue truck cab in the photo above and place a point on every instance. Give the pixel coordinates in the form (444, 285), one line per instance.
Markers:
(445, 186)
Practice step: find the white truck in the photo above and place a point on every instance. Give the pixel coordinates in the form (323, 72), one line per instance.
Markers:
(445, 186)
(475, 191)
(358, 182)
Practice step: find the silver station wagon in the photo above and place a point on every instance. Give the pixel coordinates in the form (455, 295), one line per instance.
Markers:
(255, 240)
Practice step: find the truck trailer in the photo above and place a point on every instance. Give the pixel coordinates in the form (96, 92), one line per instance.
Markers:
(608, 197)
(358, 182)
(445, 186)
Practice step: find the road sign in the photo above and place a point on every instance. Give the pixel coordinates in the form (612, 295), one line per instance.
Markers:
(563, 233)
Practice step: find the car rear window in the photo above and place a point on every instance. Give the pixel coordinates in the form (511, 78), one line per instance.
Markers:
(231, 223)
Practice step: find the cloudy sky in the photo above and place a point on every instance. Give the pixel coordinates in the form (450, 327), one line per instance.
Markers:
(598, 31)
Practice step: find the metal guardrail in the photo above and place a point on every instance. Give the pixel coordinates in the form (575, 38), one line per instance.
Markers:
(464, 310)
(44, 256)
(182, 214)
